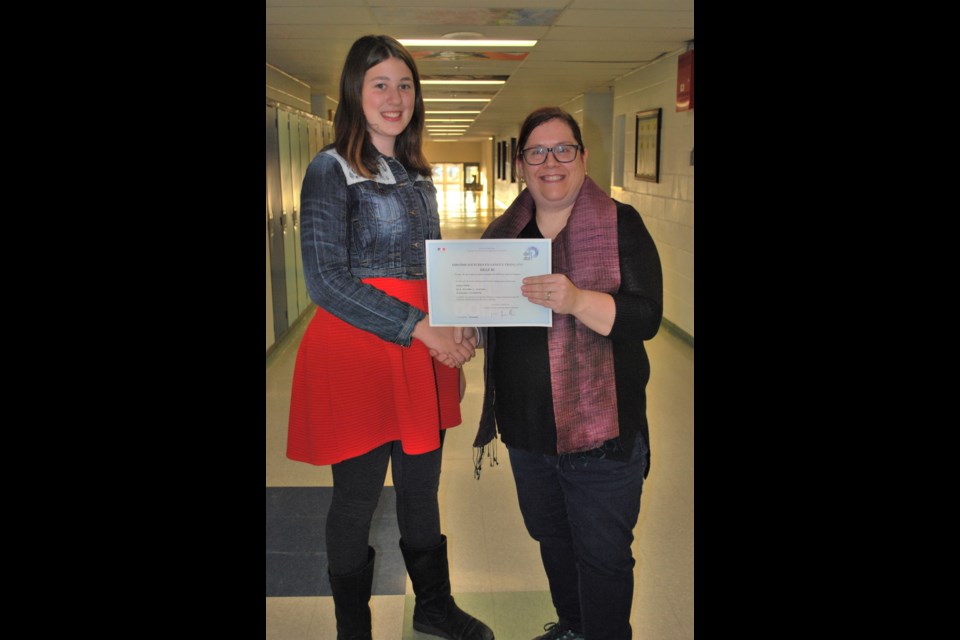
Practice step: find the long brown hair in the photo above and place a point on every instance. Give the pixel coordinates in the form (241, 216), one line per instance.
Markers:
(352, 139)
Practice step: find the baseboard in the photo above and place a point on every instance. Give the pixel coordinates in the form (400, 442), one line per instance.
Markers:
(677, 331)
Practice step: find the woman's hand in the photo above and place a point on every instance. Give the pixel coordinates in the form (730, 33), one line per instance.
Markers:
(461, 335)
(595, 309)
(554, 291)
(467, 334)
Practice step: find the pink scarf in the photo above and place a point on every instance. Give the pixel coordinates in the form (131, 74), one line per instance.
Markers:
(581, 360)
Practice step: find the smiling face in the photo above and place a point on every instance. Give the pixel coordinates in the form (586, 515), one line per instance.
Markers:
(388, 101)
(553, 185)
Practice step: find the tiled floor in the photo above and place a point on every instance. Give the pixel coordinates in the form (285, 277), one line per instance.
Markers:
(495, 567)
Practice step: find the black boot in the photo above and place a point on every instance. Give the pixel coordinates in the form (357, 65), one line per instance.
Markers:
(351, 601)
(435, 612)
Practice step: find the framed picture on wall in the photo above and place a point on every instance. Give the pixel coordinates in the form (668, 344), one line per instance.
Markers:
(497, 145)
(503, 159)
(513, 154)
(647, 158)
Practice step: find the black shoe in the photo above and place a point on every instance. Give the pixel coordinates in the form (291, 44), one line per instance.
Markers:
(435, 612)
(455, 624)
(555, 632)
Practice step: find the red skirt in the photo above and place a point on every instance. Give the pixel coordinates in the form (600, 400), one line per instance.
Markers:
(353, 392)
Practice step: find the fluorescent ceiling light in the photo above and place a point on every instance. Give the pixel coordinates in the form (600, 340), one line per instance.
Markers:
(465, 113)
(457, 99)
(450, 42)
(462, 81)
(448, 120)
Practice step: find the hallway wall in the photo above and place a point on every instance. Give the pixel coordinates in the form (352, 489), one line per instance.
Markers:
(285, 89)
(505, 191)
(453, 151)
(667, 206)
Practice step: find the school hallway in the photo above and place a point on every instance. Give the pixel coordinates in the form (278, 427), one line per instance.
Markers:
(495, 567)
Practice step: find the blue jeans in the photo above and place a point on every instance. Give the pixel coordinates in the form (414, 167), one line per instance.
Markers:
(582, 509)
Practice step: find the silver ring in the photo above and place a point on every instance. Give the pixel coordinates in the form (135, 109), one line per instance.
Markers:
(548, 295)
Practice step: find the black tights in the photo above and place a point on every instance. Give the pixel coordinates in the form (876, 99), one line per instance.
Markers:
(357, 484)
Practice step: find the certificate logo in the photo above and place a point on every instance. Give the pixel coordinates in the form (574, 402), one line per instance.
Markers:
(530, 253)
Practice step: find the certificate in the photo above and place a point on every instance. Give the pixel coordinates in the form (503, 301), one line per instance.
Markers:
(476, 283)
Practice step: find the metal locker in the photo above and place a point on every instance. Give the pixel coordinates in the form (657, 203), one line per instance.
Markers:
(275, 226)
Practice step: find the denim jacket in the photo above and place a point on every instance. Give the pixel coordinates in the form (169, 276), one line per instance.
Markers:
(353, 228)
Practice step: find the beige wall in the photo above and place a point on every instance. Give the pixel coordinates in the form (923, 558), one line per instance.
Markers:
(667, 206)
(593, 113)
(453, 151)
(286, 89)
(323, 106)
(437, 152)
(487, 170)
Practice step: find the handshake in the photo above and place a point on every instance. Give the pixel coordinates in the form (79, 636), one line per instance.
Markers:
(452, 346)
(458, 348)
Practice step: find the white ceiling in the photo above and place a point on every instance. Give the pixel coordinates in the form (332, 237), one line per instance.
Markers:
(583, 46)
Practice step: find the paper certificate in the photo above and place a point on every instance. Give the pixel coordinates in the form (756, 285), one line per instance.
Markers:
(476, 283)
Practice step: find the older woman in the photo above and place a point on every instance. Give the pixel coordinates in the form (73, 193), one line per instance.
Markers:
(569, 401)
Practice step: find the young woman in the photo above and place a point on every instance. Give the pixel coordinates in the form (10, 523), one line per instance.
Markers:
(366, 387)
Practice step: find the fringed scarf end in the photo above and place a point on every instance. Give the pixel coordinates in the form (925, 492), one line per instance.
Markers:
(491, 451)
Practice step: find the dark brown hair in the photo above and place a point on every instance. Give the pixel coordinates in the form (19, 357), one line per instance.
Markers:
(540, 116)
(351, 138)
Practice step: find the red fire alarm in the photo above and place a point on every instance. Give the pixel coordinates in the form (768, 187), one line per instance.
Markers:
(685, 81)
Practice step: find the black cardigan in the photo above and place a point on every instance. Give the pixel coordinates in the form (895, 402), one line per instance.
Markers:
(520, 371)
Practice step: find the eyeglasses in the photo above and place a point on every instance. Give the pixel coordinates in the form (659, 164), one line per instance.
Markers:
(538, 155)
